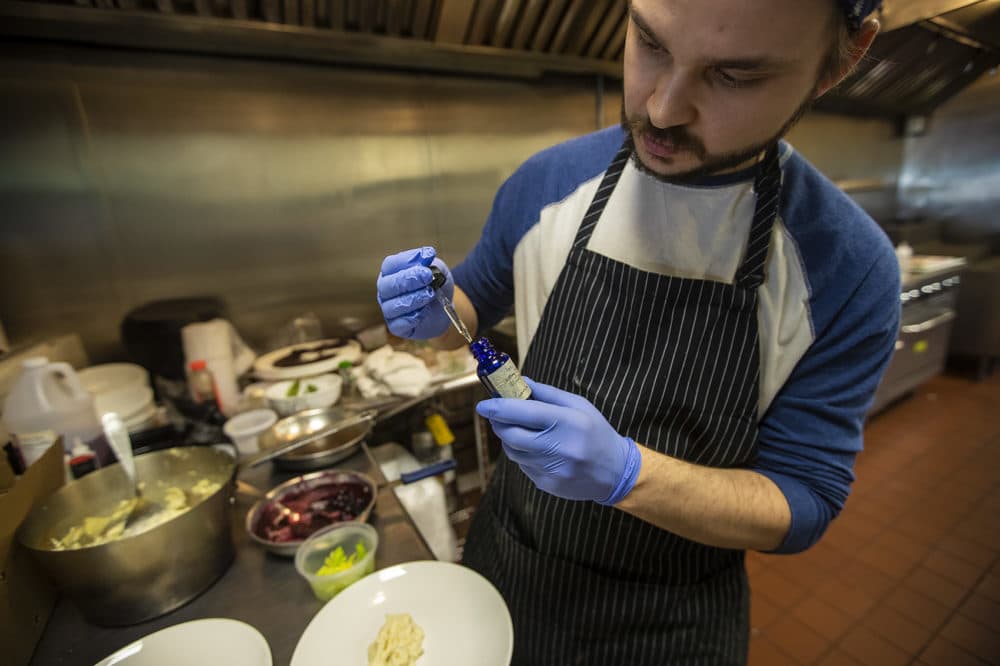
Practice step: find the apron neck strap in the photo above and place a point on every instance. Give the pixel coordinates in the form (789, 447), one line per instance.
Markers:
(600, 200)
(767, 186)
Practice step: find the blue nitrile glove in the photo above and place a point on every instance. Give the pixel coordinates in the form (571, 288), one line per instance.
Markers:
(406, 297)
(564, 444)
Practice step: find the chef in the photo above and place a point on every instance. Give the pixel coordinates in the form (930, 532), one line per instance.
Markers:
(703, 319)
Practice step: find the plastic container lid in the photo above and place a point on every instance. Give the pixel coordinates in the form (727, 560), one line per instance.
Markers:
(34, 362)
(253, 422)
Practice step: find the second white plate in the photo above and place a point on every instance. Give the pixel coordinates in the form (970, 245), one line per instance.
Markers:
(206, 642)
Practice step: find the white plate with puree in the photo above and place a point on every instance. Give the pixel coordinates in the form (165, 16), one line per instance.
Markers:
(461, 616)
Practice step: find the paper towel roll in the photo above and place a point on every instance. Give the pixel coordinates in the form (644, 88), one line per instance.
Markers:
(217, 343)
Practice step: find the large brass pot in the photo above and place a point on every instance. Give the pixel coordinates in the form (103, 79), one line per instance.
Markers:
(143, 576)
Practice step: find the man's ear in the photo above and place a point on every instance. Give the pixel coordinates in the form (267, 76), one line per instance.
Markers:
(860, 43)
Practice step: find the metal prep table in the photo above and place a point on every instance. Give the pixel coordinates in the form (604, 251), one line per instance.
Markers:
(260, 589)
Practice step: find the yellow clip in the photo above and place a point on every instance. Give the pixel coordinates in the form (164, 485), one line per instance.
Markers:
(439, 429)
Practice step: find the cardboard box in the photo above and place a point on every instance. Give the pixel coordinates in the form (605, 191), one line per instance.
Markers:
(7, 478)
(26, 597)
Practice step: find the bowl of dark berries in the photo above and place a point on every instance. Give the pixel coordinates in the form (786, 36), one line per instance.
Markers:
(291, 512)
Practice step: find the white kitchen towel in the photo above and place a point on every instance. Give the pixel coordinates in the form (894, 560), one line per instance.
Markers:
(389, 371)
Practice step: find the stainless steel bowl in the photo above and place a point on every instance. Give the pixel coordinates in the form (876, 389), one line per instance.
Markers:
(300, 483)
(319, 437)
(327, 450)
(139, 577)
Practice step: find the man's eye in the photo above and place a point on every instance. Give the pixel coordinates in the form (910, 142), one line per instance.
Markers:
(646, 42)
(731, 81)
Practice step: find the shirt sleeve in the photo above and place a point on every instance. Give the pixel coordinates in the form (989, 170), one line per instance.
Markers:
(811, 434)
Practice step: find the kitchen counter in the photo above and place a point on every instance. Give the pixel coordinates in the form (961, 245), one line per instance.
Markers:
(930, 269)
(259, 588)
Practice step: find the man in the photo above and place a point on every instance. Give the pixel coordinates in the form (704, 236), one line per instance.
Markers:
(704, 319)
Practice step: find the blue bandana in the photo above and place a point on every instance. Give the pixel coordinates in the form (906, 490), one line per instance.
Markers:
(857, 10)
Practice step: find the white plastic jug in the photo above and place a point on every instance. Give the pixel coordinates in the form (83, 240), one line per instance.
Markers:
(45, 401)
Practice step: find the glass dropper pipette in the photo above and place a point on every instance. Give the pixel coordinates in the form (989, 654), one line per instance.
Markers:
(449, 309)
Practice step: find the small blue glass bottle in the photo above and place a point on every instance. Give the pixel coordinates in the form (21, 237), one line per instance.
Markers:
(497, 372)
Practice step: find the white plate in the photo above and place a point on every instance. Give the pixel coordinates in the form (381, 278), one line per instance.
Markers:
(464, 619)
(197, 643)
(328, 359)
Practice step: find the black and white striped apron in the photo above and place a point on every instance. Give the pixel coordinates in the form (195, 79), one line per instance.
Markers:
(673, 363)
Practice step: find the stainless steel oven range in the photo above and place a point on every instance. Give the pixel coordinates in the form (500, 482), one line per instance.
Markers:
(928, 300)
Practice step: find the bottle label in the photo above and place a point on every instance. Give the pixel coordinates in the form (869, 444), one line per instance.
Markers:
(506, 382)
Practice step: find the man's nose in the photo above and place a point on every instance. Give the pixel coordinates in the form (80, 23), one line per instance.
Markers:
(672, 101)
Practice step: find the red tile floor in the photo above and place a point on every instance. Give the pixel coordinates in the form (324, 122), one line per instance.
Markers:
(909, 573)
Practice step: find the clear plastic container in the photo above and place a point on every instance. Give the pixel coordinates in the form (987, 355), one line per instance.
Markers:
(48, 398)
(245, 429)
(311, 555)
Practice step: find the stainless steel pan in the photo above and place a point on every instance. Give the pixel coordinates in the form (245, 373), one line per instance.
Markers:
(137, 578)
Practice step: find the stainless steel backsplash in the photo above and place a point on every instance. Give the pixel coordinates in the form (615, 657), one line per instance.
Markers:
(129, 177)
(952, 172)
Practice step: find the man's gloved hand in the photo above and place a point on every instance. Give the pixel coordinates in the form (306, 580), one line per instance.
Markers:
(564, 444)
(406, 297)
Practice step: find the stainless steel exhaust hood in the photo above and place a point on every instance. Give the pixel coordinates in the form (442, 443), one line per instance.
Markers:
(509, 38)
(923, 58)
(930, 50)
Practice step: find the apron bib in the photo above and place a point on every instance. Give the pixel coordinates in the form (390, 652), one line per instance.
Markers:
(674, 364)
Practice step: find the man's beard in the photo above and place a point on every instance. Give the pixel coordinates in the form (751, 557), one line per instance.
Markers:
(683, 140)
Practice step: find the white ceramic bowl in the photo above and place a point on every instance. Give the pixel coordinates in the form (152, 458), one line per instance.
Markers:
(327, 393)
(206, 642)
(112, 377)
(464, 619)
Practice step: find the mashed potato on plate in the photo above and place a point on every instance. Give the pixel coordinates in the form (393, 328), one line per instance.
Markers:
(399, 642)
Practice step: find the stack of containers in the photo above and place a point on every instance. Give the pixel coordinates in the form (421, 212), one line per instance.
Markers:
(122, 388)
